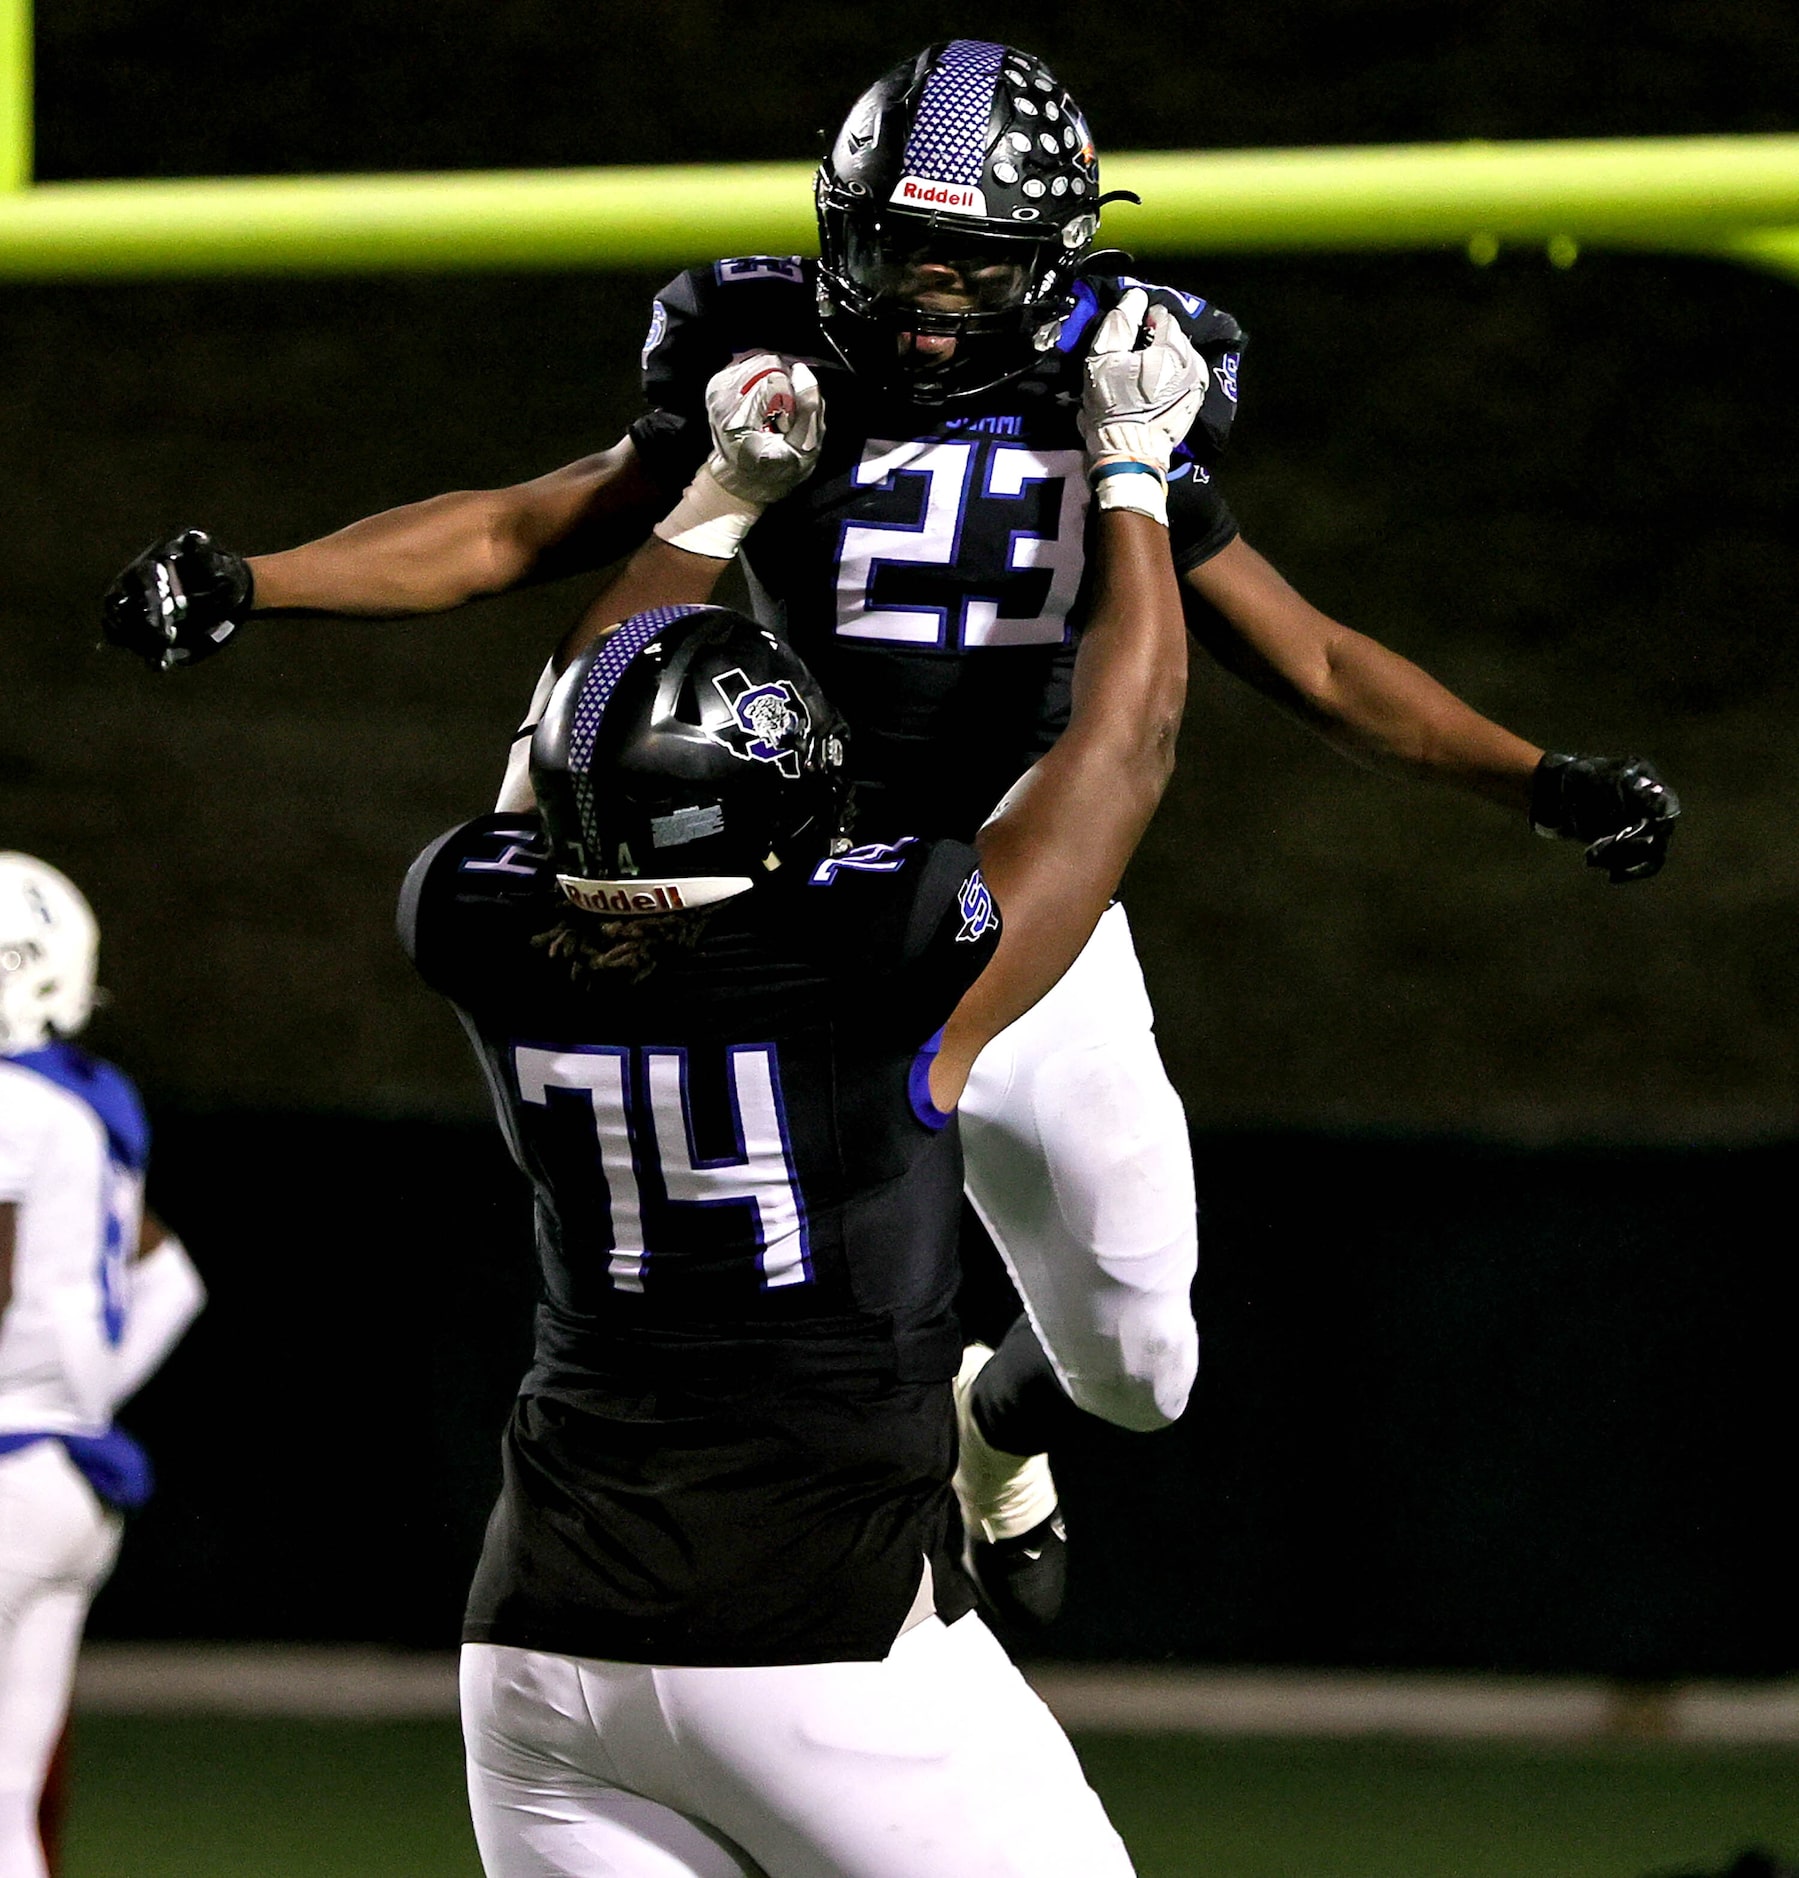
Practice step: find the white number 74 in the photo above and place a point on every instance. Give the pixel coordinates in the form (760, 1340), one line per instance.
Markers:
(760, 1171)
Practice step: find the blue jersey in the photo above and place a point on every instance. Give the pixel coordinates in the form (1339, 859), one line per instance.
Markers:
(933, 571)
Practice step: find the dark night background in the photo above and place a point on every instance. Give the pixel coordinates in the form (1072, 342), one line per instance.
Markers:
(1496, 1162)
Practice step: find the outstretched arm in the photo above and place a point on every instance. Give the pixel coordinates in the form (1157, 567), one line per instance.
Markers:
(432, 555)
(1056, 848)
(1382, 710)
(1363, 699)
(185, 597)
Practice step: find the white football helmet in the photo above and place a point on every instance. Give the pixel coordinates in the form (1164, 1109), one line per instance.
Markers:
(48, 945)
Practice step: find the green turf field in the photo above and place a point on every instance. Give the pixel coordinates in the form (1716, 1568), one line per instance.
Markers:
(158, 1798)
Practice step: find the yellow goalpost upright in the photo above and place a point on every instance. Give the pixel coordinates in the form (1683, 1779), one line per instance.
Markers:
(1734, 198)
(15, 95)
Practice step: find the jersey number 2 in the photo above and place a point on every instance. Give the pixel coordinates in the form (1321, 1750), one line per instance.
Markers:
(982, 563)
(643, 1123)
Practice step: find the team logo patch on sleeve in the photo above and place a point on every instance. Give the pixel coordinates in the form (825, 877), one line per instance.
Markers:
(979, 914)
(658, 330)
(1227, 374)
(769, 723)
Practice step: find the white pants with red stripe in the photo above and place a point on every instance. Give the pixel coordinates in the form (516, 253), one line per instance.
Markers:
(938, 1762)
(1079, 1165)
(57, 1544)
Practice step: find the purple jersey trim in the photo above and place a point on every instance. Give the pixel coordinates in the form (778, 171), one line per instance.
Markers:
(1086, 305)
(918, 1086)
(949, 134)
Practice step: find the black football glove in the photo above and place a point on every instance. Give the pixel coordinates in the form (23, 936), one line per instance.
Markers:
(1618, 806)
(179, 601)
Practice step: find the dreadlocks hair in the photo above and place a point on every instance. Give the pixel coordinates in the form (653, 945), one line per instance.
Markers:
(588, 946)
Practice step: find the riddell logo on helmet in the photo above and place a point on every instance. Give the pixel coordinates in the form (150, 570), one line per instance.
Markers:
(921, 192)
(595, 897)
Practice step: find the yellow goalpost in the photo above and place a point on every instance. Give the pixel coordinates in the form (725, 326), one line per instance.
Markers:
(1735, 198)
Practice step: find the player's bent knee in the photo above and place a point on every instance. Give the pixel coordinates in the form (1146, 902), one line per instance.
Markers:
(1138, 1411)
(1139, 1383)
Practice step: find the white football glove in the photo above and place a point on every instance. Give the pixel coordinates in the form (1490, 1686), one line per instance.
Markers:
(768, 422)
(1139, 401)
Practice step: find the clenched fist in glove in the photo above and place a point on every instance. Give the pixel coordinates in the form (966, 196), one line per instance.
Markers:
(179, 601)
(1144, 386)
(768, 421)
(1618, 806)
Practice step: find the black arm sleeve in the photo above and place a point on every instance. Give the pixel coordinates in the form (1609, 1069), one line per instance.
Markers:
(1199, 520)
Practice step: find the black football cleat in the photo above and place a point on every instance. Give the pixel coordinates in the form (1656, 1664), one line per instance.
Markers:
(1021, 1581)
(1016, 1546)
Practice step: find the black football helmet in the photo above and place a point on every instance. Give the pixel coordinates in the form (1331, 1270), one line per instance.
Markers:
(684, 759)
(971, 156)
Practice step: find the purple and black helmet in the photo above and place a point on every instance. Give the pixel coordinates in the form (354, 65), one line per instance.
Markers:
(971, 153)
(685, 758)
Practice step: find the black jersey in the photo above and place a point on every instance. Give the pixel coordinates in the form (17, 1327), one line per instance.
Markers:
(932, 570)
(735, 1441)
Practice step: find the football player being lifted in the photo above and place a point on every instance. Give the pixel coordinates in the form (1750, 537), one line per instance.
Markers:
(933, 571)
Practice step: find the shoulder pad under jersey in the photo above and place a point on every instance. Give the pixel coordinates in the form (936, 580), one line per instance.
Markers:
(113, 1096)
(100, 1086)
(479, 879)
(709, 315)
(1216, 336)
(911, 898)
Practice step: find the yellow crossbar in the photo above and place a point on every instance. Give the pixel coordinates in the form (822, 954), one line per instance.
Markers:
(1736, 197)
(1732, 196)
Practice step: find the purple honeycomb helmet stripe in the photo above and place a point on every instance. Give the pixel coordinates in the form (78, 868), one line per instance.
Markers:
(602, 679)
(949, 134)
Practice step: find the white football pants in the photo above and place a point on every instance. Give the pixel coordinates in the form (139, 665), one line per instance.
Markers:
(57, 1544)
(1079, 1166)
(937, 1763)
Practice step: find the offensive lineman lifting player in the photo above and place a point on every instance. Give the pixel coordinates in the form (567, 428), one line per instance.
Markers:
(719, 1628)
(934, 572)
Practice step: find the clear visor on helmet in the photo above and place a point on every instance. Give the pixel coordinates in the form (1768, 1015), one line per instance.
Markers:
(940, 268)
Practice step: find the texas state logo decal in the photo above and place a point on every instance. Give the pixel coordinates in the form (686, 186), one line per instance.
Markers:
(769, 723)
(979, 914)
